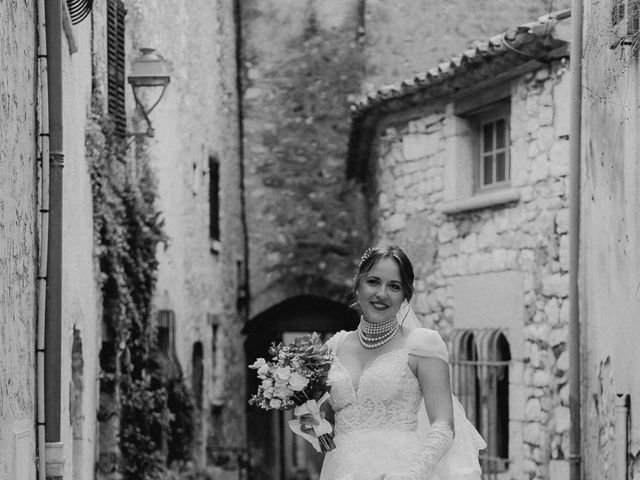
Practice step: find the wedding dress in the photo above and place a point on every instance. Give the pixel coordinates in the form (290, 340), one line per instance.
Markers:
(380, 423)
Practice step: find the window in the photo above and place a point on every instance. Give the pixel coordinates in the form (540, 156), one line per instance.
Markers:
(625, 21)
(478, 172)
(214, 199)
(480, 368)
(217, 376)
(115, 66)
(197, 374)
(493, 152)
(167, 357)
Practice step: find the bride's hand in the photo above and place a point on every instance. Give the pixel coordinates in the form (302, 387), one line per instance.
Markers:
(306, 424)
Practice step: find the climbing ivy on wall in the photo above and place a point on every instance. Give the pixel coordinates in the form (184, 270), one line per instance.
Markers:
(127, 231)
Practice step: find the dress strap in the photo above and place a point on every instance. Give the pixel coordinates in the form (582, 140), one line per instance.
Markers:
(425, 342)
(337, 340)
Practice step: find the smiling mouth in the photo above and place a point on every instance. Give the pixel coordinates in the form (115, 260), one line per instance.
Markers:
(378, 305)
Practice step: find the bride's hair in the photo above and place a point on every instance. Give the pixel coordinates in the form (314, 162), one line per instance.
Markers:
(373, 255)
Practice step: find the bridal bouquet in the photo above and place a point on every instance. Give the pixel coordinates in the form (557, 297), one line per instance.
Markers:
(296, 378)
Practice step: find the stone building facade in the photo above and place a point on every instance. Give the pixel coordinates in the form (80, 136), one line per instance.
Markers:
(25, 160)
(196, 157)
(489, 246)
(610, 248)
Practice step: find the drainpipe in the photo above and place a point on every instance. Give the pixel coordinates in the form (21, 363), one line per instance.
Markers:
(575, 141)
(43, 208)
(54, 452)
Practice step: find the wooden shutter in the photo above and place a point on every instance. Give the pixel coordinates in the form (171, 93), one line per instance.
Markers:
(115, 64)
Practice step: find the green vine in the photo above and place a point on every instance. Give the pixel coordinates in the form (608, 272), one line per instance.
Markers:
(152, 412)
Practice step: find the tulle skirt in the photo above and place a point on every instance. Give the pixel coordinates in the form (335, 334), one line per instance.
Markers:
(363, 455)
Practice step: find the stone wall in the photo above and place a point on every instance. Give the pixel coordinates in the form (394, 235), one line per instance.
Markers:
(473, 266)
(302, 64)
(18, 234)
(197, 119)
(610, 252)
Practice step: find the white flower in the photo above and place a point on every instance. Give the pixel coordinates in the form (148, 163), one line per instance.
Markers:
(258, 363)
(262, 371)
(283, 373)
(283, 391)
(267, 383)
(297, 381)
(275, 403)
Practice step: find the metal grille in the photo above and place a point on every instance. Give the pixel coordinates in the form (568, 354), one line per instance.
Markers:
(167, 358)
(115, 65)
(480, 379)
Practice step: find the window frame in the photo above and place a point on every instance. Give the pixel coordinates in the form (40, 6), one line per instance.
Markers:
(464, 117)
(491, 116)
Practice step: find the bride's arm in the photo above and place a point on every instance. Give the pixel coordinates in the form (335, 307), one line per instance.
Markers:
(433, 377)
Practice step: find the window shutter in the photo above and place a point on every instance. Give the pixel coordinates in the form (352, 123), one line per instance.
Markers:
(115, 62)
(214, 199)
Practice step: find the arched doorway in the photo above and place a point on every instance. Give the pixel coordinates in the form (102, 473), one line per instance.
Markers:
(267, 438)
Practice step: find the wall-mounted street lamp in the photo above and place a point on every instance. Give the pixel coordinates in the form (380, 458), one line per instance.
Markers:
(148, 70)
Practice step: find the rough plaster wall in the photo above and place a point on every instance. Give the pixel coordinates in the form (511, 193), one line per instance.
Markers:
(197, 118)
(530, 237)
(610, 259)
(302, 66)
(18, 230)
(79, 290)
(406, 37)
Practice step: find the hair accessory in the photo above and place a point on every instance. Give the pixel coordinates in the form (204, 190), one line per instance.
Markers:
(367, 253)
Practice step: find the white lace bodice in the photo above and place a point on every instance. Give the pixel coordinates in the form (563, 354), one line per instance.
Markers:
(387, 396)
(381, 425)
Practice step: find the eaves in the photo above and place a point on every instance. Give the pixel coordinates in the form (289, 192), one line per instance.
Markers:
(526, 48)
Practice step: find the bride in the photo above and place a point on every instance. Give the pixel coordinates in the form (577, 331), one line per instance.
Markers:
(395, 416)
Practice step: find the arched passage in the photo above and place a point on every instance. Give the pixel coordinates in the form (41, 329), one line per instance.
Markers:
(300, 314)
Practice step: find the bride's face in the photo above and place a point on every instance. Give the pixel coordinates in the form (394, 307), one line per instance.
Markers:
(380, 292)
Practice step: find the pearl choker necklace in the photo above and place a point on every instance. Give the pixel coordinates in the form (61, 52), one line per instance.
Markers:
(374, 335)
